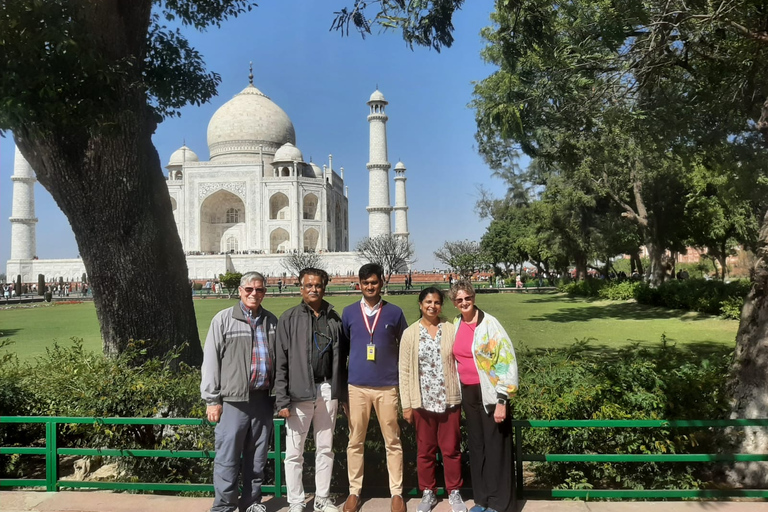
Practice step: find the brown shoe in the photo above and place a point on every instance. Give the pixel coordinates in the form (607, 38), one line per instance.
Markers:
(398, 505)
(352, 504)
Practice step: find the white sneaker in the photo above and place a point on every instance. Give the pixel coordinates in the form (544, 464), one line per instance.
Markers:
(457, 504)
(428, 501)
(256, 507)
(295, 507)
(324, 505)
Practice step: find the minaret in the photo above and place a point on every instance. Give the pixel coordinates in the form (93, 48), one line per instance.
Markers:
(379, 209)
(23, 243)
(401, 204)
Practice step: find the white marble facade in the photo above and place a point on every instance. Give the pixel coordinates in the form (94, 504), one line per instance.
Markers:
(253, 202)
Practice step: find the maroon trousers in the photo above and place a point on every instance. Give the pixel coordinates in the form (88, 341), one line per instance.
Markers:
(441, 430)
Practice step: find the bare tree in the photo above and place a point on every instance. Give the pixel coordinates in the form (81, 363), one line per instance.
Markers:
(393, 253)
(295, 262)
(465, 257)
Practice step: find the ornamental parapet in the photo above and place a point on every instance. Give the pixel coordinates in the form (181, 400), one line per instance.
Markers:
(383, 209)
(377, 117)
(23, 219)
(383, 166)
(27, 179)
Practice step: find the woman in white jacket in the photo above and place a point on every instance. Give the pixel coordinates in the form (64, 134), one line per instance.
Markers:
(487, 370)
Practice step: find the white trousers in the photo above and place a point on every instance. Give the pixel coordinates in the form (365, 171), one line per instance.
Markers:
(322, 415)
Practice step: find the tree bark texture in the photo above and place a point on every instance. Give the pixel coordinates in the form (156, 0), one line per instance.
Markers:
(106, 177)
(749, 379)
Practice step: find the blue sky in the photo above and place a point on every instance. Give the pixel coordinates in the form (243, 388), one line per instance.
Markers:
(322, 81)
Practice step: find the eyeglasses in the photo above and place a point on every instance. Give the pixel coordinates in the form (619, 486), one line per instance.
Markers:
(464, 299)
(249, 290)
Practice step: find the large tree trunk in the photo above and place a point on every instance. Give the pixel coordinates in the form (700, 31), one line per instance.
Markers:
(749, 379)
(106, 177)
(114, 195)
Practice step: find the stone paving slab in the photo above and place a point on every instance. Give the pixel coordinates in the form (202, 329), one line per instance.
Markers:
(106, 501)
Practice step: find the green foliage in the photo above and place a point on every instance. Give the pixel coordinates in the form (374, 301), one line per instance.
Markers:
(616, 290)
(696, 295)
(584, 288)
(582, 382)
(69, 381)
(578, 382)
(731, 307)
(230, 281)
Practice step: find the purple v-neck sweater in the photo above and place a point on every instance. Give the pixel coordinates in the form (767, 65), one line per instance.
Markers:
(384, 370)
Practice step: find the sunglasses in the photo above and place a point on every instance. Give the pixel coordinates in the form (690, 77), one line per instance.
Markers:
(464, 299)
(249, 290)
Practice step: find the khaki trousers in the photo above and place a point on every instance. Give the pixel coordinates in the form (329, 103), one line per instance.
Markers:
(385, 402)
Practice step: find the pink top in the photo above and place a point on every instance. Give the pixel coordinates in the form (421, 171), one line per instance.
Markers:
(462, 351)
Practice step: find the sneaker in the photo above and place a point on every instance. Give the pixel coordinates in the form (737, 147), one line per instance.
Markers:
(324, 505)
(256, 507)
(428, 501)
(457, 504)
(294, 507)
(477, 508)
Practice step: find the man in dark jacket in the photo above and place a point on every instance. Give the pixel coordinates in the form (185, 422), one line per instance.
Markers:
(310, 381)
(237, 376)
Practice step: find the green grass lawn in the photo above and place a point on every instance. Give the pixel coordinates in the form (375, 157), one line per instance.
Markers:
(532, 320)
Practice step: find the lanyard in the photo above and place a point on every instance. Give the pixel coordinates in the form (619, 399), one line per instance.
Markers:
(375, 320)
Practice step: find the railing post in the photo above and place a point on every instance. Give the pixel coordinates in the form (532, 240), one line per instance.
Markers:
(51, 457)
(518, 440)
(278, 460)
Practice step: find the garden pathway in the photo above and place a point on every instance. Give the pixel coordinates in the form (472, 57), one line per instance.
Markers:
(104, 501)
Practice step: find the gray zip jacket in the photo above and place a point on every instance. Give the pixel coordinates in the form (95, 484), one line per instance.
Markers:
(295, 379)
(227, 356)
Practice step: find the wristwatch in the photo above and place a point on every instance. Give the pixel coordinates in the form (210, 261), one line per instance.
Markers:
(501, 401)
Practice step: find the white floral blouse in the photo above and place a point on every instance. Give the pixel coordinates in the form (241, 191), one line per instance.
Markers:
(431, 375)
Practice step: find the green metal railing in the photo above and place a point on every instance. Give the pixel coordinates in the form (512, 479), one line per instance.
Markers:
(633, 493)
(52, 452)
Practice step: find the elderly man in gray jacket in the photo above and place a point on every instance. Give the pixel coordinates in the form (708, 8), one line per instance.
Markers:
(237, 376)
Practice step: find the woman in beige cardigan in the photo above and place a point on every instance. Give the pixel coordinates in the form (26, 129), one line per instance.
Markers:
(429, 392)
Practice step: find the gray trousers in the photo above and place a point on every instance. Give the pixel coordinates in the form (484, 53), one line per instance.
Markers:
(242, 443)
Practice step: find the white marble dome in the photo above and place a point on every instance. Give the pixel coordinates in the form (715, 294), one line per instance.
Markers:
(400, 165)
(245, 123)
(377, 96)
(316, 170)
(181, 156)
(288, 153)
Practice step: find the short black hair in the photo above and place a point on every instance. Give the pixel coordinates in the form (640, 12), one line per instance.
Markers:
(311, 271)
(370, 269)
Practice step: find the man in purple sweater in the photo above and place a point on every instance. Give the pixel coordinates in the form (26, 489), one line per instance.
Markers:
(373, 328)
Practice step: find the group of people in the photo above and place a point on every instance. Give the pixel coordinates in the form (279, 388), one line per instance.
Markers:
(313, 361)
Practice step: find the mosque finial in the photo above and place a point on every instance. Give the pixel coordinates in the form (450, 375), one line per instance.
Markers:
(377, 86)
(250, 74)
(184, 141)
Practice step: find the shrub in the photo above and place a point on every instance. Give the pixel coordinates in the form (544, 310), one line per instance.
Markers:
(584, 288)
(578, 382)
(731, 308)
(695, 294)
(623, 290)
(635, 383)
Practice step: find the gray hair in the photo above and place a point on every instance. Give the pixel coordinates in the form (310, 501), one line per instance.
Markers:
(249, 277)
(462, 285)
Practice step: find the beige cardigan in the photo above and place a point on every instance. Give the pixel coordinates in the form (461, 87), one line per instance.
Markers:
(410, 387)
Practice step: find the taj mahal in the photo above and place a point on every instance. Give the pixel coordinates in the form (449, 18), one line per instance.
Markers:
(253, 202)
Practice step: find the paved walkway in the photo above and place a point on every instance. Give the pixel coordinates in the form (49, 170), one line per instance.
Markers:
(105, 501)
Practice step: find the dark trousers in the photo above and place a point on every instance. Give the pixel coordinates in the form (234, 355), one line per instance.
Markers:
(244, 430)
(433, 430)
(490, 452)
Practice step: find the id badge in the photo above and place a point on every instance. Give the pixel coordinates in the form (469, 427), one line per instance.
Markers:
(371, 352)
